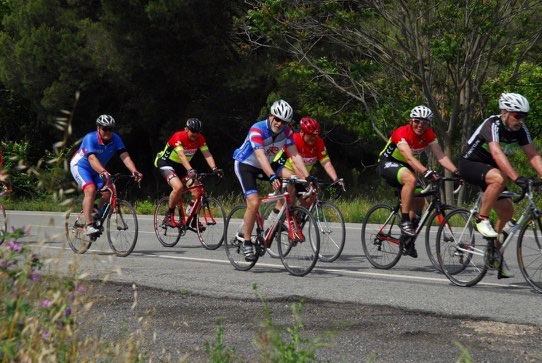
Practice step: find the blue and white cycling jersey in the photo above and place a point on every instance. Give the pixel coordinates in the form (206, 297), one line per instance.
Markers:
(260, 136)
(93, 144)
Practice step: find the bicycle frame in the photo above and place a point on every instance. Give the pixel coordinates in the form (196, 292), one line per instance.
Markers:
(199, 191)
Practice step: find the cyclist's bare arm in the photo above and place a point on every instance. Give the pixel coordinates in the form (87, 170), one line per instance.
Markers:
(502, 161)
(127, 160)
(442, 158)
(266, 167)
(406, 151)
(184, 160)
(330, 169)
(298, 161)
(95, 164)
(209, 158)
(534, 158)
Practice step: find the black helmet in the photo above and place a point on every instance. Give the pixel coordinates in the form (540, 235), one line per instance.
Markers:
(193, 124)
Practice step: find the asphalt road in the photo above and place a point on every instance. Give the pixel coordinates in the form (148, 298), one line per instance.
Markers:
(408, 313)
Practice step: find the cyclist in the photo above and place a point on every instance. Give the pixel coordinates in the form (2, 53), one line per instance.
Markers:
(398, 165)
(88, 164)
(253, 160)
(312, 148)
(174, 163)
(484, 163)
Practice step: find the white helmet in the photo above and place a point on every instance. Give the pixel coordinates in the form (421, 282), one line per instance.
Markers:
(105, 121)
(282, 110)
(513, 102)
(421, 112)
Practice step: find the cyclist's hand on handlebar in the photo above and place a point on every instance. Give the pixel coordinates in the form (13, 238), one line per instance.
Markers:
(275, 182)
(105, 176)
(137, 176)
(218, 172)
(522, 182)
(191, 173)
(339, 182)
(431, 176)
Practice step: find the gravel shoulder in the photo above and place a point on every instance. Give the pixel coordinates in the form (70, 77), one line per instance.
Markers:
(174, 326)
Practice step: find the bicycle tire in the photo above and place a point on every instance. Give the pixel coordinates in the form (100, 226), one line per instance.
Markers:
(381, 236)
(529, 251)
(432, 224)
(332, 230)
(211, 223)
(167, 236)
(461, 250)
(234, 251)
(300, 257)
(122, 228)
(3, 223)
(74, 225)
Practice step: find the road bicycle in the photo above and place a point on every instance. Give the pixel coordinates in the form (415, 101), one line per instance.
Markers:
(117, 217)
(329, 219)
(3, 217)
(298, 248)
(381, 238)
(206, 217)
(465, 256)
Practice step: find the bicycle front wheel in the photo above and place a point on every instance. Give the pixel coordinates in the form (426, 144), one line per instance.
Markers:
(529, 251)
(435, 219)
(381, 236)
(234, 245)
(75, 232)
(299, 253)
(460, 249)
(122, 228)
(211, 223)
(330, 223)
(168, 236)
(3, 224)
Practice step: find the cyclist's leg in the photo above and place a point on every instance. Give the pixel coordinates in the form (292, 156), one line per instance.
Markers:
(172, 177)
(247, 175)
(86, 182)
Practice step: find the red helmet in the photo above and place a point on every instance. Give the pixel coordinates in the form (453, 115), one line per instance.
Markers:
(310, 126)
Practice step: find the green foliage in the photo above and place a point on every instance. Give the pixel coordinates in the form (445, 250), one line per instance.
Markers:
(218, 351)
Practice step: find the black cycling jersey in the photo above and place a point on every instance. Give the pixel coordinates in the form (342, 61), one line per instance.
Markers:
(493, 130)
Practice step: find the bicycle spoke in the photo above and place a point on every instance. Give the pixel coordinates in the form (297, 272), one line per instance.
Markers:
(122, 229)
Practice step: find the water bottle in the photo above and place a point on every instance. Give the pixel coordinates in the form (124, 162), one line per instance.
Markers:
(271, 218)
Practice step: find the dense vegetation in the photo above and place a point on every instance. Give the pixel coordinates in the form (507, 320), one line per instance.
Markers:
(357, 66)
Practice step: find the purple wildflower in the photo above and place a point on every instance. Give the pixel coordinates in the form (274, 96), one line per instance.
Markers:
(15, 246)
(46, 303)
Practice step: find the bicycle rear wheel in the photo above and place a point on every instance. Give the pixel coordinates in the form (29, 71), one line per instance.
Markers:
(211, 223)
(381, 236)
(529, 251)
(234, 247)
(460, 249)
(300, 255)
(3, 224)
(75, 228)
(435, 219)
(332, 230)
(167, 236)
(122, 228)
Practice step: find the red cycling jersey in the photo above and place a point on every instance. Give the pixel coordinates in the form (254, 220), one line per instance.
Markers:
(405, 134)
(180, 141)
(310, 153)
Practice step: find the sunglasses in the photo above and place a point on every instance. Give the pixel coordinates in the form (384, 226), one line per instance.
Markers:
(107, 128)
(281, 121)
(519, 115)
(423, 121)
